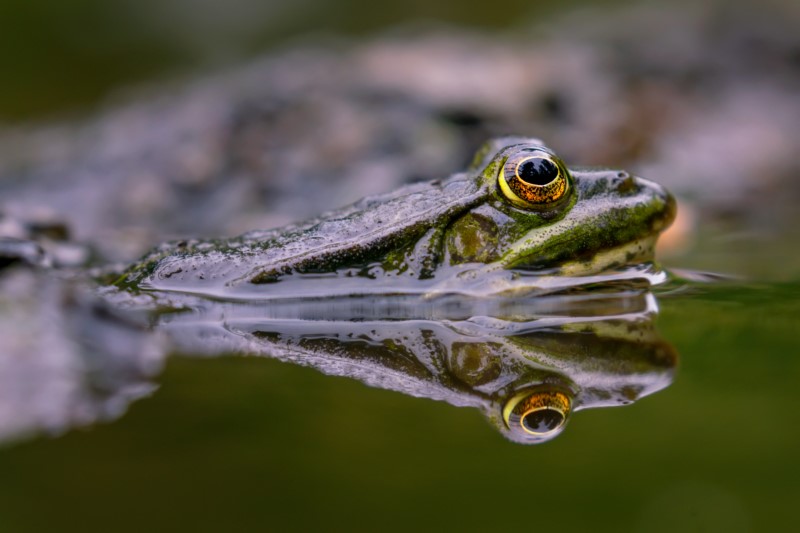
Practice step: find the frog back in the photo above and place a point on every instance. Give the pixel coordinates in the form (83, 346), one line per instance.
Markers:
(363, 232)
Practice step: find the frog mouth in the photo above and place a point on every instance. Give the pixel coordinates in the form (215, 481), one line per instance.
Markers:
(631, 253)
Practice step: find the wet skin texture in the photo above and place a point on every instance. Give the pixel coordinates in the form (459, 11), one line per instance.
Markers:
(580, 222)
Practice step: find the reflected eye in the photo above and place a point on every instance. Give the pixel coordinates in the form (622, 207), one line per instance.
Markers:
(539, 414)
(534, 178)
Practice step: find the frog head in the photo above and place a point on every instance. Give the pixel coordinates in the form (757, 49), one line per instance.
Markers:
(539, 214)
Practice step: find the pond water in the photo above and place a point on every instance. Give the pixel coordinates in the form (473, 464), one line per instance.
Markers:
(242, 443)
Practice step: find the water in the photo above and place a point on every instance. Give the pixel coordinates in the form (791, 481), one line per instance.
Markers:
(242, 443)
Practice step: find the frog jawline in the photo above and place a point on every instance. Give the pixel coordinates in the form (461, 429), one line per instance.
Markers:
(640, 250)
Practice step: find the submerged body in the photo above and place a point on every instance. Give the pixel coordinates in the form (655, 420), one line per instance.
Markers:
(517, 207)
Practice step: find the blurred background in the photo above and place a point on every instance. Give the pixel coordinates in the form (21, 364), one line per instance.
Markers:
(60, 57)
(126, 123)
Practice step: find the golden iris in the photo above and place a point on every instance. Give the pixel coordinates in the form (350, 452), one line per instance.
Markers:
(539, 413)
(534, 179)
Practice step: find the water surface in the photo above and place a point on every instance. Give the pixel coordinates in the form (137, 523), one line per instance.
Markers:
(238, 443)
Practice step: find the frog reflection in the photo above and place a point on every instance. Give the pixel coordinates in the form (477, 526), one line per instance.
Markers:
(526, 375)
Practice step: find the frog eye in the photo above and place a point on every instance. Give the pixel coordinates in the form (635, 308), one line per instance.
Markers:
(534, 179)
(537, 415)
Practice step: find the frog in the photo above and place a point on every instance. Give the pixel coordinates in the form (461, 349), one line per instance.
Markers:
(517, 208)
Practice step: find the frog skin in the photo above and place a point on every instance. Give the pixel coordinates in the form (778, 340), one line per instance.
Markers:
(517, 207)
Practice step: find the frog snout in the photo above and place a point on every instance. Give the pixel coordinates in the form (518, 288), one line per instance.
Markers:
(667, 206)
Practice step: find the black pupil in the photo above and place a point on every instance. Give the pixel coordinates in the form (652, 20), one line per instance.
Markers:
(538, 171)
(542, 421)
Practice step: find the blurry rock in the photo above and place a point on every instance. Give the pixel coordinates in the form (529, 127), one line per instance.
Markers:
(39, 239)
(66, 358)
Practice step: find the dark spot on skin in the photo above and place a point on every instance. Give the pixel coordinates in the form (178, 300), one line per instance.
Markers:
(267, 335)
(269, 276)
(167, 275)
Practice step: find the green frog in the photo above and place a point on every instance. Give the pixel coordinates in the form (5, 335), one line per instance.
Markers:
(517, 209)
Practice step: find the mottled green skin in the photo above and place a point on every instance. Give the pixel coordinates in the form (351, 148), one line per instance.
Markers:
(422, 230)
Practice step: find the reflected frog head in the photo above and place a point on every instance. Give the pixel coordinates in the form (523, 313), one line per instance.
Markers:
(536, 380)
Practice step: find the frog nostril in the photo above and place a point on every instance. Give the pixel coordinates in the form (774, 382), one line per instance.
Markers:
(625, 183)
